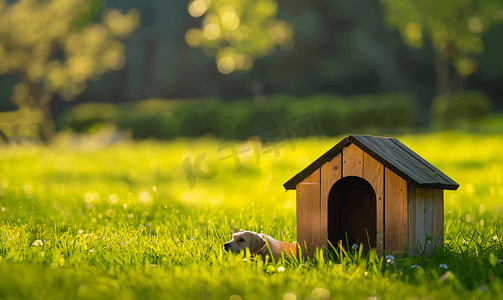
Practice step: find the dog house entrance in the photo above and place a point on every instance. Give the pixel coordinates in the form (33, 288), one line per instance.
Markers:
(352, 213)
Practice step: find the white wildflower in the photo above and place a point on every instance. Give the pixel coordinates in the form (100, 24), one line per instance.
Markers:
(443, 266)
(37, 243)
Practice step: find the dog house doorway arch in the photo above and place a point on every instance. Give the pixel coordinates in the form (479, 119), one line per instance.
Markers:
(352, 213)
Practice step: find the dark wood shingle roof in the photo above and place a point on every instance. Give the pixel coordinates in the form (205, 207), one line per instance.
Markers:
(393, 155)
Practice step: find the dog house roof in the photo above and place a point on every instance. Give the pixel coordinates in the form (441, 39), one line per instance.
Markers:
(393, 155)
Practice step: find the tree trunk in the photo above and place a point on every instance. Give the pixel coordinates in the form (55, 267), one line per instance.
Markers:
(33, 97)
(443, 76)
(47, 127)
(4, 137)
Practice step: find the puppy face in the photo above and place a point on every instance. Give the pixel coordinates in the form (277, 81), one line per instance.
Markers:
(245, 239)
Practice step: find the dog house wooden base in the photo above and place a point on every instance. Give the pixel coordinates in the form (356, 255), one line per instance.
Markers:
(372, 191)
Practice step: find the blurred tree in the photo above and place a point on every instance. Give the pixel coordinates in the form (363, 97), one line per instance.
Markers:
(454, 28)
(238, 31)
(56, 46)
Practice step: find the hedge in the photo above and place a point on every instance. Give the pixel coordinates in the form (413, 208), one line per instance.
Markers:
(465, 109)
(167, 119)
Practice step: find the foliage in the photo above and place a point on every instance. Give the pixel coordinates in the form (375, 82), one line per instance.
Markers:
(245, 118)
(237, 32)
(92, 225)
(454, 28)
(56, 47)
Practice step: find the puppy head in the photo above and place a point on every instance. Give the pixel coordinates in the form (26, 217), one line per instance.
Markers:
(245, 239)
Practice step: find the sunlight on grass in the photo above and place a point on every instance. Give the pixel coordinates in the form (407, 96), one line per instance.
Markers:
(124, 222)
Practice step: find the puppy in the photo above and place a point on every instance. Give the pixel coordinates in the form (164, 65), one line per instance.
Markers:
(258, 245)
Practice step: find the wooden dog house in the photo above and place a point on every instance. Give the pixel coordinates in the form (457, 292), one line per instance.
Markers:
(374, 191)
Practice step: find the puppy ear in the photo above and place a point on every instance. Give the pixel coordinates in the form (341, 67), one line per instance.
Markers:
(258, 243)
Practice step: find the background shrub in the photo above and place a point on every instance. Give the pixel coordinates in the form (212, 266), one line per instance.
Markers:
(464, 109)
(242, 119)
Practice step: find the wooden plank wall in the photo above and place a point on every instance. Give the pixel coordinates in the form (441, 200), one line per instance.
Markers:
(411, 221)
(373, 172)
(438, 217)
(352, 157)
(420, 213)
(309, 231)
(426, 220)
(395, 212)
(331, 171)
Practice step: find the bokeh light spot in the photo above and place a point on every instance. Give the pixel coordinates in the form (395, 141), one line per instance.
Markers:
(320, 294)
(144, 197)
(475, 25)
(266, 8)
(414, 32)
(197, 8)
(111, 213)
(113, 198)
(289, 296)
(211, 31)
(466, 67)
(88, 198)
(194, 37)
(226, 65)
(230, 20)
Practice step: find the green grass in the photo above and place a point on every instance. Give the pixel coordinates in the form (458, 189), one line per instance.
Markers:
(123, 223)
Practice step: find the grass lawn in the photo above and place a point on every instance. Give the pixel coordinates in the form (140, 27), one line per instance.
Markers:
(148, 221)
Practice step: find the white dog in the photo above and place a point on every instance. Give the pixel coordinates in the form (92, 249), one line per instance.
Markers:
(258, 245)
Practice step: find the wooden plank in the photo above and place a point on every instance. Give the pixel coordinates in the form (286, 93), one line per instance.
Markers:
(438, 218)
(331, 171)
(352, 161)
(398, 158)
(299, 177)
(302, 218)
(308, 213)
(373, 172)
(420, 214)
(411, 224)
(399, 161)
(424, 162)
(395, 214)
(428, 220)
